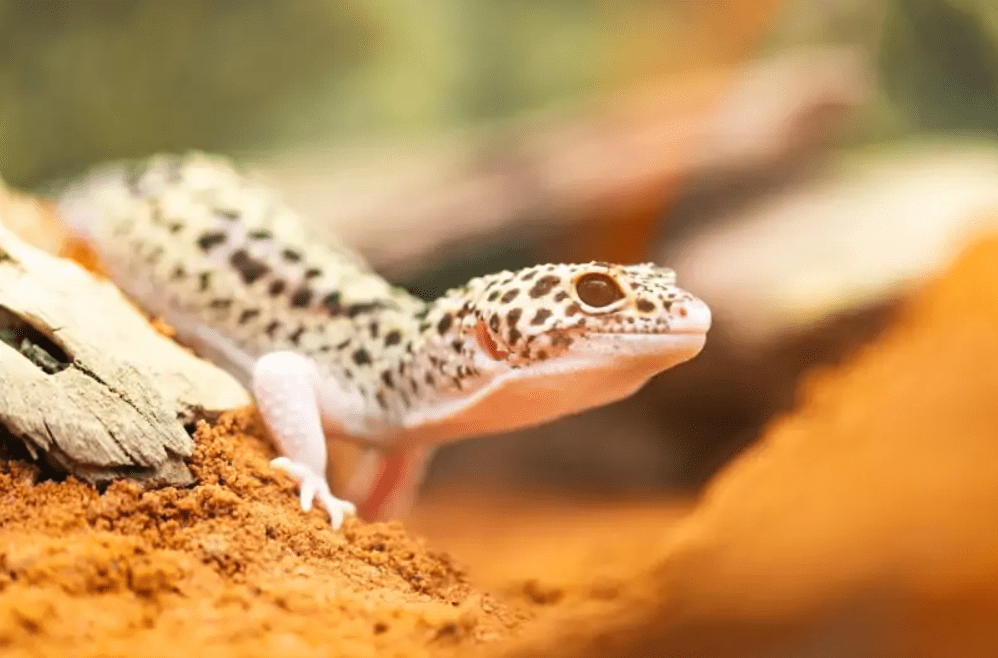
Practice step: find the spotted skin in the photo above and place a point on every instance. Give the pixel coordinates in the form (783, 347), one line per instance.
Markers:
(230, 265)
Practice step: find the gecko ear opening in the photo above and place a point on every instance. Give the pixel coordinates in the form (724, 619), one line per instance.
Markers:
(487, 343)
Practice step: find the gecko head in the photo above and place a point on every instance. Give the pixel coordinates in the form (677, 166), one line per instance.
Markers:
(552, 340)
(587, 315)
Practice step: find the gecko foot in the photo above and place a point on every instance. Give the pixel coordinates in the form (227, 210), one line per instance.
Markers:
(312, 486)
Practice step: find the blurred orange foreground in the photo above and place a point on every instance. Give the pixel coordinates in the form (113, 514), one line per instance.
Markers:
(862, 524)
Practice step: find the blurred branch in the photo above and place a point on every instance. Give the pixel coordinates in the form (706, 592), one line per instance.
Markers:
(723, 35)
(401, 206)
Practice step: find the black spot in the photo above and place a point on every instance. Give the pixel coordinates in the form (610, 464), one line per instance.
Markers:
(295, 336)
(422, 313)
(394, 337)
(645, 306)
(291, 255)
(445, 323)
(408, 347)
(386, 377)
(405, 398)
(211, 239)
(248, 315)
(544, 285)
(261, 234)
(511, 319)
(361, 357)
(175, 227)
(494, 323)
(541, 315)
(510, 295)
(365, 307)
(528, 275)
(312, 272)
(572, 309)
(423, 326)
(248, 267)
(414, 387)
(221, 303)
(348, 373)
(458, 345)
(343, 345)
(272, 328)
(382, 402)
(301, 298)
(178, 272)
(494, 295)
(326, 348)
(374, 328)
(204, 280)
(430, 381)
(277, 286)
(332, 303)
(227, 213)
(561, 296)
(560, 340)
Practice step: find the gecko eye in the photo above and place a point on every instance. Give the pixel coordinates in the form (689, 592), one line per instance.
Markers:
(598, 290)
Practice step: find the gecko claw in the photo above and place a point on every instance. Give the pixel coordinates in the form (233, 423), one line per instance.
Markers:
(312, 486)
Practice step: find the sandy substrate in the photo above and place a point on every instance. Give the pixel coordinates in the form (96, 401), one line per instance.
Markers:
(231, 565)
(861, 524)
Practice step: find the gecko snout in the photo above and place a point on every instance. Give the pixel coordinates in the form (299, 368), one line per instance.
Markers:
(689, 316)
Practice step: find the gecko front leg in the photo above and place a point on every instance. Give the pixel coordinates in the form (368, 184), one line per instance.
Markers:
(286, 388)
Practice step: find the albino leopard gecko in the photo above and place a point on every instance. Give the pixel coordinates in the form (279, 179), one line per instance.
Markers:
(330, 349)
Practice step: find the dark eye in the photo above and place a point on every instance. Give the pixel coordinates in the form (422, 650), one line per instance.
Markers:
(598, 290)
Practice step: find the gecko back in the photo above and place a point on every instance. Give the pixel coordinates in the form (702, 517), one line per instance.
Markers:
(223, 259)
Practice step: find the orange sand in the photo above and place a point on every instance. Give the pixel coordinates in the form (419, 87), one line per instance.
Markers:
(230, 566)
(862, 524)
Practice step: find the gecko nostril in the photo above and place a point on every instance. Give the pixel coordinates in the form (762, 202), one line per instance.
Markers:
(691, 316)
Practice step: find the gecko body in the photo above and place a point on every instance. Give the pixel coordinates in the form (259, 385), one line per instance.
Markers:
(332, 350)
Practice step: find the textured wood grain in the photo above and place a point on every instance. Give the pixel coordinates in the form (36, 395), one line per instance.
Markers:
(87, 382)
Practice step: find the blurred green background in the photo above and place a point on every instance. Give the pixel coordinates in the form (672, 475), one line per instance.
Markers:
(84, 81)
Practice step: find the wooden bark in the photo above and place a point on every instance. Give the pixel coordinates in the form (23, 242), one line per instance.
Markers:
(87, 382)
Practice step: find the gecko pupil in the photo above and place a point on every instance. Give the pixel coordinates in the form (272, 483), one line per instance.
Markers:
(598, 290)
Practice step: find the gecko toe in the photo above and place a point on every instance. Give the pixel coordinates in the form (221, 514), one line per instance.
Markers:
(337, 508)
(307, 494)
(311, 487)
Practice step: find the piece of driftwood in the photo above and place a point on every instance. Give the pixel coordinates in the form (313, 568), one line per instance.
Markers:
(87, 382)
